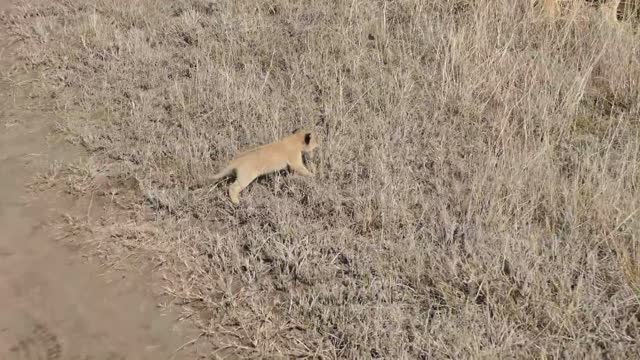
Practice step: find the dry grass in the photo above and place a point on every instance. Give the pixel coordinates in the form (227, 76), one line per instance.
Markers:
(478, 188)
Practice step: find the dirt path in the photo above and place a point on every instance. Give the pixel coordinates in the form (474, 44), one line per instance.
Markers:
(53, 305)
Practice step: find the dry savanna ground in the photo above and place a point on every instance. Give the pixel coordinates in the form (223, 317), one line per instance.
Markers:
(477, 190)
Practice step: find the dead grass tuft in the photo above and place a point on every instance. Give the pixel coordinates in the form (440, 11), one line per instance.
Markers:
(477, 191)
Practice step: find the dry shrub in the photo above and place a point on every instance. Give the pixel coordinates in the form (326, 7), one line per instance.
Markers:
(477, 191)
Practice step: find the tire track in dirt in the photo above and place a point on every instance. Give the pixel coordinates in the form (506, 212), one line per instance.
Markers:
(41, 344)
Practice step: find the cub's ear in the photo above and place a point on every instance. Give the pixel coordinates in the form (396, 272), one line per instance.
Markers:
(307, 138)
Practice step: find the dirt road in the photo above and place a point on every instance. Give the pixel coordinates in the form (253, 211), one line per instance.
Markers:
(54, 305)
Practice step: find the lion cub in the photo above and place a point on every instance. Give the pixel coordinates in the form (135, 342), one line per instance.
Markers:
(265, 159)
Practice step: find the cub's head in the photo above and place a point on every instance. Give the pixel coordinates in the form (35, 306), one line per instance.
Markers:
(308, 138)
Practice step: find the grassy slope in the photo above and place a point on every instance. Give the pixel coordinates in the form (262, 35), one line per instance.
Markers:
(477, 189)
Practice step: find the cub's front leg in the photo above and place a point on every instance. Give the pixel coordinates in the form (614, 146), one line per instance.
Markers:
(297, 165)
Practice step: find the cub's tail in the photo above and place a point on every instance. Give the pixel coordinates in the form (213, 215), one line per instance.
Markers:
(224, 172)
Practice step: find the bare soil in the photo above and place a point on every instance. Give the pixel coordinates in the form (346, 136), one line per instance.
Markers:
(53, 303)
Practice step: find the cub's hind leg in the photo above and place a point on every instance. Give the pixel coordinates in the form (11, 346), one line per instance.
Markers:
(243, 179)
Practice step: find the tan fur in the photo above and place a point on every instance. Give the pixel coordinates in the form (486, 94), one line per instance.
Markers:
(250, 164)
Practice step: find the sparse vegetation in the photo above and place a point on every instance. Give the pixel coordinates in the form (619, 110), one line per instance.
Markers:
(477, 190)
